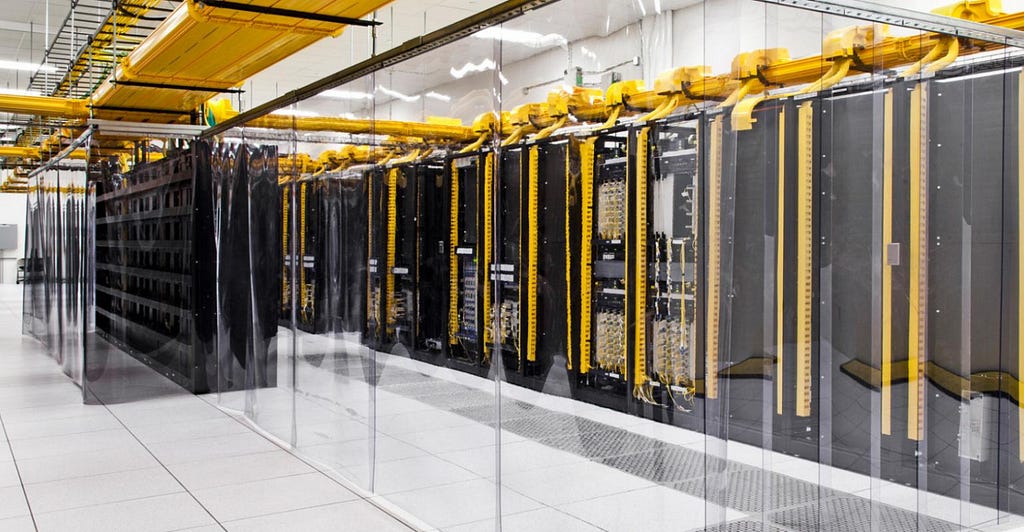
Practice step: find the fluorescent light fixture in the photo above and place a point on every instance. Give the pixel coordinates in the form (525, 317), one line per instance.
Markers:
(527, 38)
(18, 92)
(295, 112)
(438, 96)
(395, 94)
(25, 67)
(342, 94)
(657, 6)
(504, 80)
(643, 10)
(461, 72)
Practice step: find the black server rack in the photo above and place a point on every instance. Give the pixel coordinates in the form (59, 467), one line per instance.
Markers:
(301, 204)
(469, 177)
(601, 375)
(432, 222)
(154, 276)
(375, 333)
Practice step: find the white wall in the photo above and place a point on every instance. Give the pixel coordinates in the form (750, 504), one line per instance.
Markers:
(12, 211)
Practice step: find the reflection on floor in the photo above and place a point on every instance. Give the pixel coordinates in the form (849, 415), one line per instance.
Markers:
(565, 465)
(153, 458)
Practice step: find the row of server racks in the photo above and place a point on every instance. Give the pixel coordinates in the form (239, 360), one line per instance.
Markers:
(764, 285)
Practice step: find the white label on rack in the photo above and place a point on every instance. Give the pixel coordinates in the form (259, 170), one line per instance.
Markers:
(400, 271)
(608, 256)
(616, 241)
(678, 241)
(373, 262)
(506, 278)
(508, 267)
(373, 269)
(615, 375)
(615, 291)
(463, 251)
(463, 162)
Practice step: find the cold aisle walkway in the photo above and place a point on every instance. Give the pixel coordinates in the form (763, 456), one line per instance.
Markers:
(166, 464)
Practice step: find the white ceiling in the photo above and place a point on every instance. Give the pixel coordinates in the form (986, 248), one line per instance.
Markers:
(23, 25)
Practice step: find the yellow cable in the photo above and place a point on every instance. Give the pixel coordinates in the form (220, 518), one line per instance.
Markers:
(586, 245)
(453, 259)
(476, 144)
(532, 208)
(918, 330)
(568, 261)
(612, 117)
(640, 288)
(302, 249)
(780, 263)
(952, 52)
(486, 260)
(285, 207)
(392, 236)
(886, 267)
(713, 311)
(804, 256)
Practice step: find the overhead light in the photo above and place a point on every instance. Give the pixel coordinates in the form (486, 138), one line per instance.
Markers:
(657, 6)
(438, 96)
(295, 112)
(643, 10)
(527, 38)
(18, 92)
(342, 94)
(486, 64)
(26, 67)
(395, 94)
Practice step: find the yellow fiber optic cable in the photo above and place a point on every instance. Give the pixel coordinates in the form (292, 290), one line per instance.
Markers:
(887, 267)
(804, 256)
(587, 258)
(918, 330)
(780, 272)
(389, 266)
(532, 208)
(714, 257)
(640, 345)
(486, 260)
(453, 259)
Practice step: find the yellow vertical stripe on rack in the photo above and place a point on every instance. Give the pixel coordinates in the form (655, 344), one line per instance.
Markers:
(886, 266)
(568, 260)
(284, 242)
(780, 264)
(1020, 266)
(714, 301)
(392, 236)
(453, 258)
(488, 239)
(532, 214)
(303, 293)
(640, 287)
(586, 245)
(369, 250)
(918, 262)
(804, 256)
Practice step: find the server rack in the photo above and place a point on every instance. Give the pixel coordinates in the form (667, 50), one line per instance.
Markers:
(153, 274)
(469, 176)
(301, 205)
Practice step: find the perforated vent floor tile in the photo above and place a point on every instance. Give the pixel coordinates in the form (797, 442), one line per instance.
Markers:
(753, 490)
(853, 514)
(666, 464)
(603, 444)
(746, 525)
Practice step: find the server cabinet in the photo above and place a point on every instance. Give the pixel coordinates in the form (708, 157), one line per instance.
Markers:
(469, 176)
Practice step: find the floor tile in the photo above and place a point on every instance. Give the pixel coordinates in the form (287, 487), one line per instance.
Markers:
(207, 448)
(224, 471)
(417, 473)
(155, 514)
(85, 464)
(574, 482)
(356, 515)
(460, 503)
(86, 441)
(100, 489)
(92, 422)
(540, 520)
(439, 441)
(206, 428)
(12, 502)
(18, 524)
(9, 475)
(263, 497)
(656, 508)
